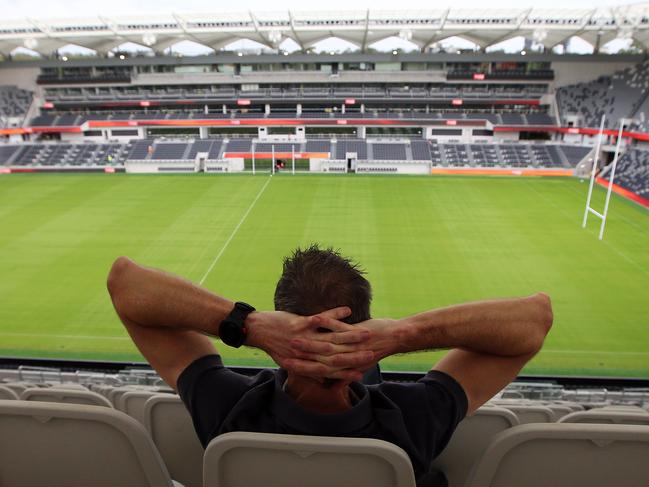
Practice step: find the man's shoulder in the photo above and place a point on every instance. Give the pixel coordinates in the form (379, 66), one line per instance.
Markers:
(434, 388)
(209, 371)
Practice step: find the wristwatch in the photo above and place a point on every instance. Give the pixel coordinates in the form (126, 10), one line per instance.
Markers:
(232, 330)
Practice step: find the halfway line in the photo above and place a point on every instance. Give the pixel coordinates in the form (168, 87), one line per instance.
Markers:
(227, 242)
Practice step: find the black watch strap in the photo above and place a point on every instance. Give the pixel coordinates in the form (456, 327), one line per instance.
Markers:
(232, 330)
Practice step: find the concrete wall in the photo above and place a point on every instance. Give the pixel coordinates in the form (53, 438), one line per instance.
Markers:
(24, 78)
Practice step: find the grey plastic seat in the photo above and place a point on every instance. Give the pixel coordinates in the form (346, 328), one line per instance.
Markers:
(61, 445)
(8, 393)
(67, 396)
(243, 459)
(607, 417)
(114, 394)
(560, 410)
(532, 414)
(469, 441)
(172, 431)
(67, 386)
(621, 408)
(132, 403)
(17, 387)
(565, 455)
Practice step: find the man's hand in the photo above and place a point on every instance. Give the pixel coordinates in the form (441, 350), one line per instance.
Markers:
(339, 352)
(384, 336)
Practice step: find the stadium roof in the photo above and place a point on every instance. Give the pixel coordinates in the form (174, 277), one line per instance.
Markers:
(484, 27)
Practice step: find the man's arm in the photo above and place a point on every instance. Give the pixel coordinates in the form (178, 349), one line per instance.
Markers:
(491, 341)
(169, 319)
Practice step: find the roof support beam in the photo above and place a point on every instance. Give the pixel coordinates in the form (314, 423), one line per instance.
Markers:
(367, 25)
(296, 37)
(439, 31)
(264, 40)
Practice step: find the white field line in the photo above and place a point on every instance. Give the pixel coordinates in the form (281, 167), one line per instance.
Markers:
(234, 232)
(88, 337)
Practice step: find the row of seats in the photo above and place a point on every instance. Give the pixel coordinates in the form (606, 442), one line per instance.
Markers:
(632, 172)
(618, 96)
(616, 436)
(65, 154)
(505, 118)
(440, 154)
(14, 104)
(508, 155)
(164, 93)
(170, 428)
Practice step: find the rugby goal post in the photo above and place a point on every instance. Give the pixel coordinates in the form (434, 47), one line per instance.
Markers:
(590, 209)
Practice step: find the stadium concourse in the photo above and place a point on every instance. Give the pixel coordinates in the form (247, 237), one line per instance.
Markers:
(429, 112)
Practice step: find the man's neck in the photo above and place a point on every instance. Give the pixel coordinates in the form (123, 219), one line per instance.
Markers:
(313, 396)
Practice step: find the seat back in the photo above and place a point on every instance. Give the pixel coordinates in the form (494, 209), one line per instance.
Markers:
(60, 445)
(66, 396)
(532, 414)
(172, 431)
(606, 417)
(132, 403)
(565, 455)
(469, 441)
(114, 394)
(7, 393)
(243, 459)
(560, 410)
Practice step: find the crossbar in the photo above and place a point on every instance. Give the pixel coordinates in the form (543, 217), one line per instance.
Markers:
(596, 213)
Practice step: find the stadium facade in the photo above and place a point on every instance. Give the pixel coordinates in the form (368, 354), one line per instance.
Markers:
(533, 112)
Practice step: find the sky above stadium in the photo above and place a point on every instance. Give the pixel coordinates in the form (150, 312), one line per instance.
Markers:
(78, 8)
(46, 9)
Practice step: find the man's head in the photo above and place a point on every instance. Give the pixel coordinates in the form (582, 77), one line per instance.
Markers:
(315, 280)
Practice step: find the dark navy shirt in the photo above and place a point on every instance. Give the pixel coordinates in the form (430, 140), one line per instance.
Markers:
(420, 417)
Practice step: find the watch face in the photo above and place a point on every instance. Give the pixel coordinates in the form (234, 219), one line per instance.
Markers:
(231, 333)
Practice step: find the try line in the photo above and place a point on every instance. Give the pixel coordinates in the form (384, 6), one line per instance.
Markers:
(234, 232)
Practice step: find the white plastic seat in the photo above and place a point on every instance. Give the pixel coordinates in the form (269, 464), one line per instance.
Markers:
(67, 386)
(66, 396)
(595, 416)
(621, 408)
(114, 394)
(565, 455)
(7, 393)
(172, 431)
(532, 414)
(469, 441)
(62, 445)
(17, 387)
(559, 410)
(243, 459)
(132, 403)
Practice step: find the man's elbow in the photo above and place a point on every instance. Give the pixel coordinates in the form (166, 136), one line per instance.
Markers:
(116, 281)
(544, 318)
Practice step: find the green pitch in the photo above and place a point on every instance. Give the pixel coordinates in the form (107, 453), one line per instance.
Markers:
(424, 241)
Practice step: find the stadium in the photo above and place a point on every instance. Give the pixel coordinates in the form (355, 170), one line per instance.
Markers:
(453, 169)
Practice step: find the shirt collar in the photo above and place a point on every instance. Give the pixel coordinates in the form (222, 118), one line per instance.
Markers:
(290, 413)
